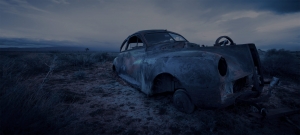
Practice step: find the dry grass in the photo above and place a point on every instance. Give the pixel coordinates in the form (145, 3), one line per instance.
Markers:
(281, 63)
(77, 93)
(26, 107)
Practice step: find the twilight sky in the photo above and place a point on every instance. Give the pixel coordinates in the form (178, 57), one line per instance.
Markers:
(104, 24)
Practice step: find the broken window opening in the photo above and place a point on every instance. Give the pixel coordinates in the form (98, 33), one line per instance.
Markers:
(135, 43)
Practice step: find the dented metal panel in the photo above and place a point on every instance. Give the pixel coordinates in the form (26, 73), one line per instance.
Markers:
(166, 65)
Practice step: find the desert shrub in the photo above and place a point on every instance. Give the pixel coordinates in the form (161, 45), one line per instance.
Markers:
(10, 70)
(79, 74)
(101, 57)
(61, 62)
(76, 59)
(27, 110)
(281, 63)
(10, 67)
(38, 63)
(69, 96)
(80, 60)
(27, 65)
(111, 56)
(85, 59)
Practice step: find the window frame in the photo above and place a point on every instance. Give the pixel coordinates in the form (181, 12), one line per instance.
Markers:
(137, 47)
(125, 42)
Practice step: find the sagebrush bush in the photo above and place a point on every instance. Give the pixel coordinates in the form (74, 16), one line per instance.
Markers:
(29, 64)
(281, 63)
(101, 57)
(11, 67)
(17, 68)
(37, 63)
(26, 108)
(79, 74)
(80, 60)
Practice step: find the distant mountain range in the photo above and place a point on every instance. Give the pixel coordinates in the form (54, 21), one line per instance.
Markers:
(24, 44)
(44, 49)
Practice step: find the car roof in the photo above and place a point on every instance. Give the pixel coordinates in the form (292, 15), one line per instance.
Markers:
(142, 32)
(152, 31)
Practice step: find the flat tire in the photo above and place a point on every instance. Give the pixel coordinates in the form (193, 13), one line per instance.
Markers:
(182, 101)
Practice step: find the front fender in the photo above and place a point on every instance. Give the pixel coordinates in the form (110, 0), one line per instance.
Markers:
(193, 70)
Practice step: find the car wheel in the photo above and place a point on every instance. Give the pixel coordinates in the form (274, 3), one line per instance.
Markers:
(182, 101)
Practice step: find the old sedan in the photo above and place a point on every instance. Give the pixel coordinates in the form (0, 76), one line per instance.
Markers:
(157, 61)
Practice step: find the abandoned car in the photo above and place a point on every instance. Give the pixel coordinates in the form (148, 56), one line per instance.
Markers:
(157, 61)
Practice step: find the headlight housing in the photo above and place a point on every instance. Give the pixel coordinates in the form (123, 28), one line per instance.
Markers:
(222, 66)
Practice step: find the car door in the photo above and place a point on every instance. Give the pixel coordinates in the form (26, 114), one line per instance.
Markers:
(119, 61)
(133, 58)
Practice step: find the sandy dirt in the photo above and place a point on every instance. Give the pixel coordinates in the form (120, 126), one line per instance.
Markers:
(101, 103)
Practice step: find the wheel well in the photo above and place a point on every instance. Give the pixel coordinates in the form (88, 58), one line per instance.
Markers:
(165, 82)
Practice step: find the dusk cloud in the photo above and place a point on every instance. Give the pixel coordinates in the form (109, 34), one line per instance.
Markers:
(268, 24)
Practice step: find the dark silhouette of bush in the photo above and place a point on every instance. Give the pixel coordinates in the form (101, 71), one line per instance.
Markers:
(27, 110)
(23, 110)
(101, 57)
(80, 60)
(281, 63)
(77, 59)
(37, 64)
(26, 65)
(79, 74)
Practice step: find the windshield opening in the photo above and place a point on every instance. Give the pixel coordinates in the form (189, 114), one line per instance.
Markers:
(163, 37)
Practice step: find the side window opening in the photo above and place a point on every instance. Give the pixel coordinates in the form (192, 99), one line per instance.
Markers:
(135, 43)
(140, 44)
(177, 37)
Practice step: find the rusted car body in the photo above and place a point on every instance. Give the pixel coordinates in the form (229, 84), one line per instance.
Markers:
(157, 61)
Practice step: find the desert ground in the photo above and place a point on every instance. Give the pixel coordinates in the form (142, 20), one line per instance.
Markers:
(78, 93)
